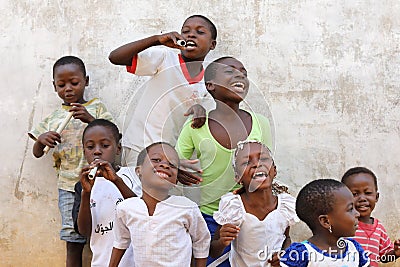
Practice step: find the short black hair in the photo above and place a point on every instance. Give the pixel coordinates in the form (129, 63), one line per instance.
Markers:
(315, 199)
(142, 155)
(211, 69)
(357, 170)
(213, 29)
(70, 60)
(104, 123)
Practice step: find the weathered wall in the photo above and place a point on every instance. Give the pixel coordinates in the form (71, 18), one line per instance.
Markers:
(329, 71)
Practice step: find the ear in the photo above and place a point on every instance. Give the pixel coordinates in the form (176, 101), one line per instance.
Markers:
(119, 149)
(213, 44)
(324, 221)
(87, 81)
(138, 171)
(210, 86)
(377, 196)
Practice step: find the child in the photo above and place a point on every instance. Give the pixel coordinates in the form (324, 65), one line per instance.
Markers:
(327, 207)
(164, 230)
(174, 87)
(256, 221)
(226, 80)
(371, 234)
(100, 195)
(70, 80)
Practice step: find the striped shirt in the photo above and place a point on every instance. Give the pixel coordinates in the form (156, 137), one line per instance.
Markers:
(374, 239)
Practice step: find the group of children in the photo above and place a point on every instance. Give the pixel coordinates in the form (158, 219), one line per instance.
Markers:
(128, 212)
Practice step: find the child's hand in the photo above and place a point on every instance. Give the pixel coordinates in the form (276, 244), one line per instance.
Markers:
(199, 115)
(49, 139)
(87, 183)
(274, 260)
(169, 39)
(80, 113)
(396, 248)
(228, 233)
(106, 170)
(188, 178)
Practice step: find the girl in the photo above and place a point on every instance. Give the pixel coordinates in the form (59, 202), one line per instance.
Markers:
(96, 199)
(164, 230)
(327, 207)
(255, 220)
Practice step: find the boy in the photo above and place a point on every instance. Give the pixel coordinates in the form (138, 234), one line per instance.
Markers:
(96, 199)
(226, 125)
(175, 85)
(371, 234)
(70, 80)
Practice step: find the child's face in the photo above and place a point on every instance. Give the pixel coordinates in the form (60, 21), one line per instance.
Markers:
(230, 81)
(254, 167)
(344, 217)
(197, 34)
(69, 83)
(160, 168)
(99, 143)
(364, 191)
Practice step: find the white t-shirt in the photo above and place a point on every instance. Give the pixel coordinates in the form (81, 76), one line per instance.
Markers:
(166, 96)
(257, 240)
(104, 199)
(168, 238)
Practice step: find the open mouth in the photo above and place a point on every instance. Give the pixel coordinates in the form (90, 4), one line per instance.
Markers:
(363, 208)
(260, 175)
(239, 86)
(162, 175)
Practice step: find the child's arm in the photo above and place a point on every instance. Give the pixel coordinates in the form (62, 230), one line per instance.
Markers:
(223, 236)
(107, 171)
(199, 115)
(124, 55)
(200, 262)
(116, 256)
(46, 139)
(84, 215)
(393, 254)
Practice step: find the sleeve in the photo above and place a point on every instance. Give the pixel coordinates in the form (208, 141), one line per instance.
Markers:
(265, 128)
(200, 235)
(364, 259)
(102, 112)
(122, 237)
(77, 204)
(288, 208)
(385, 245)
(42, 127)
(296, 255)
(230, 210)
(185, 145)
(147, 62)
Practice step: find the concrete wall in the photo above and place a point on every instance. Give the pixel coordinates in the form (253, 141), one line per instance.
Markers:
(329, 72)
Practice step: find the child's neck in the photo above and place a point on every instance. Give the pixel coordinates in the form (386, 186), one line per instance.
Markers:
(193, 66)
(227, 108)
(152, 197)
(326, 242)
(259, 203)
(366, 219)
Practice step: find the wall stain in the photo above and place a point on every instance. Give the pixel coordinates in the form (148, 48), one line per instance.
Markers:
(17, 192)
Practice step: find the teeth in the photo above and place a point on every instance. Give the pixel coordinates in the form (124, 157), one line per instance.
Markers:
(190, 43)
(259, 174)
(163, 175)
(238, 84)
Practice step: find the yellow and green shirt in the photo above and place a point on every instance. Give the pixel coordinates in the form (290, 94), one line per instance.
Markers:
(68, 155)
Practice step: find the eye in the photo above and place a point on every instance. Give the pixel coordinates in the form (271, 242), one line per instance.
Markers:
(60, 85)
(355, 194)
(156, 160)
(106, 145)
(75, 83)
(185, 31)
(89, 147)
(200, 32)
(173, 166)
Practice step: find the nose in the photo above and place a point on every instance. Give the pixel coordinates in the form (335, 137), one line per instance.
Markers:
(97, 150)
(164, 164)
